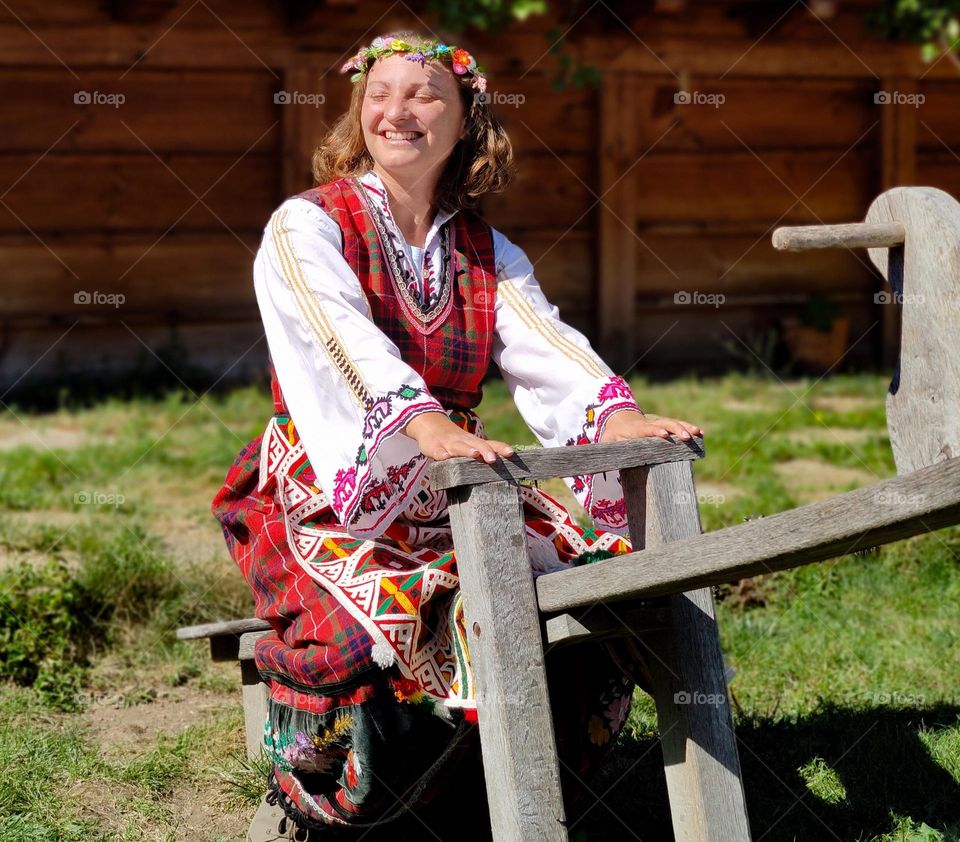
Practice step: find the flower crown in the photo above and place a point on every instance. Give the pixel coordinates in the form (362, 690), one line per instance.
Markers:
(423, 51)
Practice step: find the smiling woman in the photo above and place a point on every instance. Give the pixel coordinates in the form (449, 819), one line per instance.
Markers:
(378, 362)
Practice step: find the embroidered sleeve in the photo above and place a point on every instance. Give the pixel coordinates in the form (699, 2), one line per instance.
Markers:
(347, 389)
(563, 390)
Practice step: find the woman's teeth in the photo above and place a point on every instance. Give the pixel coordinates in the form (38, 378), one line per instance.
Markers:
(401, 135)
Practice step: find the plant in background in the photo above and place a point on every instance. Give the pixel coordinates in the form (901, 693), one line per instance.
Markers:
(497, 15)
(934, 24)
(820, 312)
(488, 15)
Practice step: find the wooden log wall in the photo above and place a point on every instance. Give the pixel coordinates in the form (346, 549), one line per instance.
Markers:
(624, 197)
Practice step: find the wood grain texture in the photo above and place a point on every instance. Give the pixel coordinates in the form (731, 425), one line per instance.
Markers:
(549, 462)
(854, 235)
(234, 628)
(256, 698)
(702, 767)
(601, 621)
(923, 414)
(506, 650)
(919, 502)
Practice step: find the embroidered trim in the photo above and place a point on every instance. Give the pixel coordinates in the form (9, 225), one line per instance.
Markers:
(524, 309)
(424, 316)
(310, 308)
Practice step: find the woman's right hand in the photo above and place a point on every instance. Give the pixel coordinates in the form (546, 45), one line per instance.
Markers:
(439, 438)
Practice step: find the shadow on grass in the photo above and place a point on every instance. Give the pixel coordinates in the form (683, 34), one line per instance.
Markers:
(876, 755)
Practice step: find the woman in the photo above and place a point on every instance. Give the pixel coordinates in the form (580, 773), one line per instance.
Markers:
(384, 298)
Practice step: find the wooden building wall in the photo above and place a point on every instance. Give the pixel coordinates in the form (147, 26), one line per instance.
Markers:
(624, 197)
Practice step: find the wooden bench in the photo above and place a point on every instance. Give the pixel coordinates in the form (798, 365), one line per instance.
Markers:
(660, 592)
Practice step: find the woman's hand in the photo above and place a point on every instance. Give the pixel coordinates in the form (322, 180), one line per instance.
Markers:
(439, 438)
(626, 424)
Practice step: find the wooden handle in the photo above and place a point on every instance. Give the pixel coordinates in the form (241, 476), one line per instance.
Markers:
(855, 235)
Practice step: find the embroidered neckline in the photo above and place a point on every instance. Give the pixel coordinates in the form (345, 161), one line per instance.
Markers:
(438, 270)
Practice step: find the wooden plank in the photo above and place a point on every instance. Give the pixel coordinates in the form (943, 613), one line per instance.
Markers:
(897, 508)
(233, 628)
(923, 415)
(600, 622)
(756, 113)
(621, 143)
(939, 117)
(548, 193)
(188, 276)
(137, 191)
(549, 462)
(683, 187)
(304, 120)
(742, 261)
(225, 351)
(765, 58)
(179, 109)
(564, 266)
(506, 651)
(248, 643)
(852, 235)
(702, 767)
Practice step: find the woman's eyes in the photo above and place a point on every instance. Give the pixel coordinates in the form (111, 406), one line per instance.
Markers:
(418, 97)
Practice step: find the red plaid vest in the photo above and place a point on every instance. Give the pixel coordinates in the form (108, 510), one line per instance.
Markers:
(451, 350)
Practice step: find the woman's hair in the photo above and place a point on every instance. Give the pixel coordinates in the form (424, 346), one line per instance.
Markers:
(482, 162)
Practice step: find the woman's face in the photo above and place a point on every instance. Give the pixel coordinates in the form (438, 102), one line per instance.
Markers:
(412, 116)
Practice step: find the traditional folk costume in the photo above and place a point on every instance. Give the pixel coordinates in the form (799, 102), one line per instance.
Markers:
(331, 518)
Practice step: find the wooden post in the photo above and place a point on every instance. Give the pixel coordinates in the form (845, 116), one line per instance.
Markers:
(898, 125)
(506, 651)
(616, 305)
(303, 123)
(923, 415)
(702, 767)
(256, 695)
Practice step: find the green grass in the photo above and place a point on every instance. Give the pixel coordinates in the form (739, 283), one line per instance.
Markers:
(845, 696)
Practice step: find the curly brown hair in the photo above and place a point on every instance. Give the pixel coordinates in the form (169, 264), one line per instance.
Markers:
(482, 162)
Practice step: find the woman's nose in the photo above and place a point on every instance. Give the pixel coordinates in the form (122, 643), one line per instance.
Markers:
(396, 109)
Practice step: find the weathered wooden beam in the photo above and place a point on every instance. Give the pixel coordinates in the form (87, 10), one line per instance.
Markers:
(923, 413)
(549, 462)
(919, 502)
(601, 621)
(256, 695)
(520, 762)
(700, 758)
(228, 627)
(854, 235)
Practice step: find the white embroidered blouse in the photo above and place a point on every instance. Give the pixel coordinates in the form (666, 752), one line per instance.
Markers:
(307, 292)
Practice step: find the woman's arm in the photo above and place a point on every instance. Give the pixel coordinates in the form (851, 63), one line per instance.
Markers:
(350, 394)
(564, 391)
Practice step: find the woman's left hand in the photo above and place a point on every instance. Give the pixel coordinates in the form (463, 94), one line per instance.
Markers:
(626, 425)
